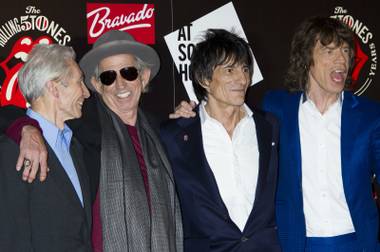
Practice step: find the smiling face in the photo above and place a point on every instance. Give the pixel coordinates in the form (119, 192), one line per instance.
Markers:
(72, 93)
(122, 96)
(328, 72)
(228, 85)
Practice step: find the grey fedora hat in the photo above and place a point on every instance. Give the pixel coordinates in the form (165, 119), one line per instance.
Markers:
(116, 42)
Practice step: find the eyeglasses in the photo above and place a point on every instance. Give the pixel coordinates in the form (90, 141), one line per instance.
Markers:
(128, 73)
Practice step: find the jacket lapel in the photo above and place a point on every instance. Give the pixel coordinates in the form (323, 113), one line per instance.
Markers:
(189, 141)
(290, 165)
(58, 174)
(77, 156)
(351, 117)
(291, 120)
(264, 141)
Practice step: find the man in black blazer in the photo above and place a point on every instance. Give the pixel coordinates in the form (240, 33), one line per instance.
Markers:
(54, 215)
(224, 159)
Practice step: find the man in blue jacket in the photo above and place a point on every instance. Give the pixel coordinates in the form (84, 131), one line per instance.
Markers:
(329, 146)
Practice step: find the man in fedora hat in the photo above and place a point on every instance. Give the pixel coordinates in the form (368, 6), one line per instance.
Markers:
(135, 204)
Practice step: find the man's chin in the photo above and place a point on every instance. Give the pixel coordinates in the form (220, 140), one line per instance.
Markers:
(125, 108)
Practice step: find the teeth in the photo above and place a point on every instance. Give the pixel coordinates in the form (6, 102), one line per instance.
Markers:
(339, 71)
(338, 75)
(123, 95)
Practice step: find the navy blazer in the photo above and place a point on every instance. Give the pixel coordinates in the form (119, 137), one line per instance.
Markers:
(360, 159)
(206, 222)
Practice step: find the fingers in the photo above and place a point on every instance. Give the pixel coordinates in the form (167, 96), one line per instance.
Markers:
(43, 166)
(193, 104)
(26, 172)
(20, 161)
(187, 106)
(37, 163)
(184, 109)
(174, 116)
(30, 165)
(33, 172)
(32, 147)
(27, 164)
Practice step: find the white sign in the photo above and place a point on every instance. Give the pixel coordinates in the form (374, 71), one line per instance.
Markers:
(181, 42)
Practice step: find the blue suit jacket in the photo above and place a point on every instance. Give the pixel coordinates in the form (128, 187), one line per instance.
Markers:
(360, 159)
(207, 225)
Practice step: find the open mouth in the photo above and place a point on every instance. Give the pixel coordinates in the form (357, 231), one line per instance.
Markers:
(338, 75)
(123, 94)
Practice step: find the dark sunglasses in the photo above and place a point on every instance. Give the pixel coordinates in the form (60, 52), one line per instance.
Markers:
(128, 73)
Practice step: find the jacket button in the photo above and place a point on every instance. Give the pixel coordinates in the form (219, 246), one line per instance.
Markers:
(244, 239)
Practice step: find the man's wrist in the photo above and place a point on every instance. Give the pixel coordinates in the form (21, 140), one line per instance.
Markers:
(14, 131)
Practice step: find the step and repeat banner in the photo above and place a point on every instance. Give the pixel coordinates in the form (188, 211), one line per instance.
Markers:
(172, 27)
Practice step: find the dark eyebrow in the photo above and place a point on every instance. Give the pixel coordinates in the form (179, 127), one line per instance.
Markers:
(329, 47)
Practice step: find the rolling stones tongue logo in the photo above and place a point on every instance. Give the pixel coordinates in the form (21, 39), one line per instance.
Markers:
(360, 59)
(10, 93)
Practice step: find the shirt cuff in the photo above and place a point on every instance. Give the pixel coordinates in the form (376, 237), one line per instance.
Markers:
(15, 129)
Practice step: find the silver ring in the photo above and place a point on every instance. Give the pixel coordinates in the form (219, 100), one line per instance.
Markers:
(27, 162)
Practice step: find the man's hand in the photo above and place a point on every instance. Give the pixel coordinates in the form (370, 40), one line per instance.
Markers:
(184, 109)
(32, 148)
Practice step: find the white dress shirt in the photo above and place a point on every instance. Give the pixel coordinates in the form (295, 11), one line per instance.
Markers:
(324, 202)
(233, 161)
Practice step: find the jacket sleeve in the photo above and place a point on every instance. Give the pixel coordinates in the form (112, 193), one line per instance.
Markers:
(375, 149)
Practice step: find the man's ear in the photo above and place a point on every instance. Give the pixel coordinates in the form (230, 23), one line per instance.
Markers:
(205, 84)
(51, 87)
(96, 84)
(145, 75)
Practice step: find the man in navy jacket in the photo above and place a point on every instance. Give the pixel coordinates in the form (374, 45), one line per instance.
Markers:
(224, 160)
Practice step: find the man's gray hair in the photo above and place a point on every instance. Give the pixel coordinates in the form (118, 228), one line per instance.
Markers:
(45, 63)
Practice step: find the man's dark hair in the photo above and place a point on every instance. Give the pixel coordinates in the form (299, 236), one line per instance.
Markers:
(219, 47)
(325, 30)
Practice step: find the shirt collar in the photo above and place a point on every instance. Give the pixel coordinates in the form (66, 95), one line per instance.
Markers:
(50, 131)
(204, 116)
(305, 98)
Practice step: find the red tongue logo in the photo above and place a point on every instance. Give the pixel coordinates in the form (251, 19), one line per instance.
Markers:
(10, 93)
(360, 59)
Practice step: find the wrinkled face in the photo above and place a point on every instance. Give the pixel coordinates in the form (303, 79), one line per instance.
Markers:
(328, 73)
(122, 96)
(72, 93)
(228, 85)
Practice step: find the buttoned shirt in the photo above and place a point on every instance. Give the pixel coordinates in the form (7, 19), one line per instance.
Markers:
(234, 162)
(59, 140)
(324, 202)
